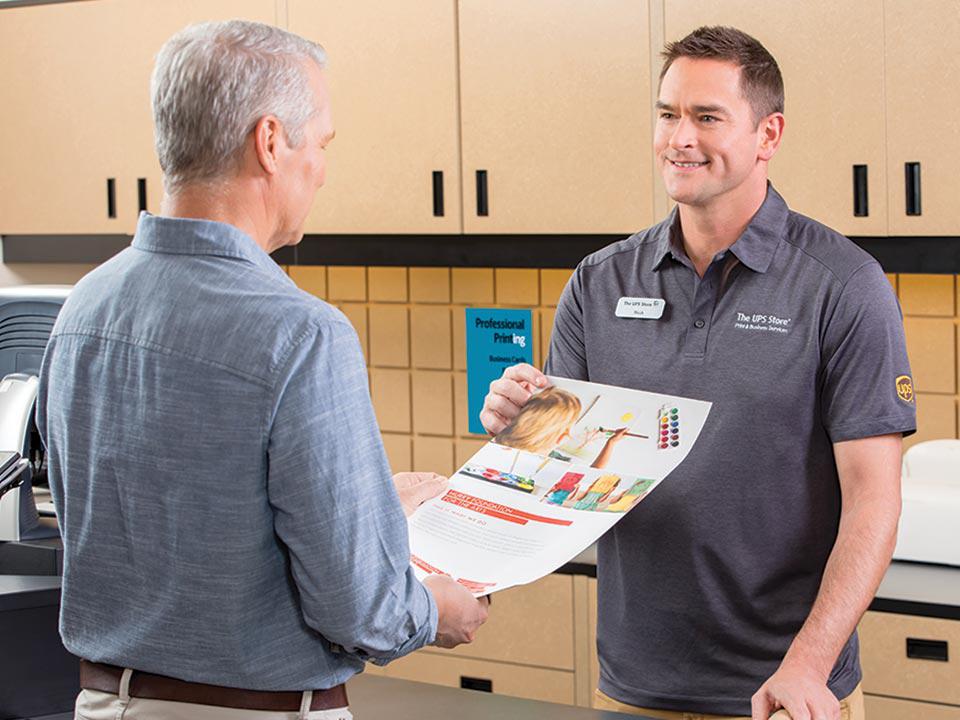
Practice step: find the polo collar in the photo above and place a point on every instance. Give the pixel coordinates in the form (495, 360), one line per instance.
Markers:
(754, 248)
(184, 236)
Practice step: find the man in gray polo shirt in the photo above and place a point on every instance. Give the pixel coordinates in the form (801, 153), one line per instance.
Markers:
(737, 586)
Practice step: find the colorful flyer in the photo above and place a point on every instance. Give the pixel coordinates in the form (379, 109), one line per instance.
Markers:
(577, 458)
(496, 339)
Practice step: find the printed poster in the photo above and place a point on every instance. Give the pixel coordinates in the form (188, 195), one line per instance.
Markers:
(496, 339)
(577, 458)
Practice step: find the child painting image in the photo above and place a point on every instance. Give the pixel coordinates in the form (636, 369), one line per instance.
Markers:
(546, 421)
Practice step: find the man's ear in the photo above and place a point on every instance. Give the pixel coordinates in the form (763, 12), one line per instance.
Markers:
(268, 140)
(771, 133)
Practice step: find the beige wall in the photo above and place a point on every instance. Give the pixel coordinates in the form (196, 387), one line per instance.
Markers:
(411, 325)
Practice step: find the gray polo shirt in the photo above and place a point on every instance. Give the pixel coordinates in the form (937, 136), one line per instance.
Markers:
(796, 337)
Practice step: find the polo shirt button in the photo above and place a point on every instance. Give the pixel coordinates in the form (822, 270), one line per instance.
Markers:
(699, 324)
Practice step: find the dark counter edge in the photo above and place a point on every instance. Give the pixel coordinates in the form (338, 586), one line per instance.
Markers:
(937, 255)
(50, 596)
(879, 604)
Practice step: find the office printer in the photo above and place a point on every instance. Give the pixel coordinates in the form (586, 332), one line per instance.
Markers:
(930, 520)
(27, 314)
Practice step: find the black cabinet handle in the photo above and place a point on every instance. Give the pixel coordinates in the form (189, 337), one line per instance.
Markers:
(860, 200)
(142, 194)
(111, 197)
(912, 177)
(483, 208)
(479, 684)
(927, 649)
(438, 193)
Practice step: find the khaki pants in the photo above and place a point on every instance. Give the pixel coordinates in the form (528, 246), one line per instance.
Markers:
(96, 705)
(851, 708)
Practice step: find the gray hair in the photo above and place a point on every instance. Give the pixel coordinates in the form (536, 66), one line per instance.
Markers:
(211, 85)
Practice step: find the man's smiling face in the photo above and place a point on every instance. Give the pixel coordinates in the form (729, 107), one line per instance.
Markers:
(707, 140)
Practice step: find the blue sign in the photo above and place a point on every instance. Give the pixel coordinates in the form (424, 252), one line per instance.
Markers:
(496, 339)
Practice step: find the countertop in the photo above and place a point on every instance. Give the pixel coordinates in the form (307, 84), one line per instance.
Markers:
(908, 588)
(380, 697)
(377, 698)
(18, 592)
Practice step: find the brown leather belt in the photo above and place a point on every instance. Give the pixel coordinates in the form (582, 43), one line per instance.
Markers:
(106, 678)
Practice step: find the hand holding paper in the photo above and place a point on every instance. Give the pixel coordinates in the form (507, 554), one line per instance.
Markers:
(574, 459)
(415, 488)
(508, 394)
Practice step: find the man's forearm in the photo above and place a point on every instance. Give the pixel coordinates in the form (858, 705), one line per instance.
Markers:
(860, 556)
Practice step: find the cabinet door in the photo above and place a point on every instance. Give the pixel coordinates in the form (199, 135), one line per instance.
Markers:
(75, 88)
(556, 109)
(882, 708)
(831, 55)
(58, 127)
(514, 634)
(393, 85)
(923, 94)
(525, 681)
(908, 656)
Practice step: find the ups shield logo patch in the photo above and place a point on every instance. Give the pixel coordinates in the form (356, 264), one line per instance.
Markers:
(905, 388)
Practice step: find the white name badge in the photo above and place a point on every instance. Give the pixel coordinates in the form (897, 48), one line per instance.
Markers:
(645, 308)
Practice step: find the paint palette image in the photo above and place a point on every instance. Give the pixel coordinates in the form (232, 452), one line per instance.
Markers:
(668, 427)
(506, 479)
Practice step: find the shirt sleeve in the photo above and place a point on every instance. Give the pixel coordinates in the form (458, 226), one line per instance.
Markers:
(567, 356)
(336, 508)
(866, 385)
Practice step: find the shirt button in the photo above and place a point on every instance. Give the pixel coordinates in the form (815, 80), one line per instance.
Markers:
(699, 324)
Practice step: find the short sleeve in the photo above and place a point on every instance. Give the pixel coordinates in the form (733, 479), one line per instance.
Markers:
(567, 356)
(866, 385)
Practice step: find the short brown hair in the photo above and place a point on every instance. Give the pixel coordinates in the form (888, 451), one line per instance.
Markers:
(760, 81)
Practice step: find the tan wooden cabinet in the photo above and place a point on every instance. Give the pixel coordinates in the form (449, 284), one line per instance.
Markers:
(58, 127)
(393, 84)
(923, 94)
(531, 624)
(534, 683)
(556, 110)
(831, 57)
(909, 657)
(532, 117)
(74, 85)
(883, 708)
(592, 619)
(533, 646)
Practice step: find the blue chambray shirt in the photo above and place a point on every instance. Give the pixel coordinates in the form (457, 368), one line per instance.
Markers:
(227, 509)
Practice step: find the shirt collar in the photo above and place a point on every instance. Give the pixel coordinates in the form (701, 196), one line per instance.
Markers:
(183, 236)
(754, 248)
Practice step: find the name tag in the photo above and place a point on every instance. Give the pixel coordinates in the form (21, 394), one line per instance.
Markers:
(644, 308)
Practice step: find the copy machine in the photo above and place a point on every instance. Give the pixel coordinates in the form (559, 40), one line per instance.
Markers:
(27, 314)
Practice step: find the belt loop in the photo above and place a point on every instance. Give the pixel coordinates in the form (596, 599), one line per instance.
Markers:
(305, 702)
(124, 691)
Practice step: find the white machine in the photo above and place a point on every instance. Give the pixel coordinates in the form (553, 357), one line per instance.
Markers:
(27, 315)
(930, 520)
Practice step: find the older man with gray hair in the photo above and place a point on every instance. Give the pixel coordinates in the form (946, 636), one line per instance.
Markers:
(234, 544)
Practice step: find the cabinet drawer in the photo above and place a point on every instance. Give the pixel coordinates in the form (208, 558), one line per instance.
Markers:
(903, 656)
(882, 708)
(503, 679)
(532, 624)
